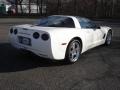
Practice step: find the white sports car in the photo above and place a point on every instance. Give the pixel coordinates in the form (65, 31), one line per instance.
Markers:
(60, 37)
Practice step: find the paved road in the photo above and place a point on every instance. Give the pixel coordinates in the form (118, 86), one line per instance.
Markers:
(98, 69)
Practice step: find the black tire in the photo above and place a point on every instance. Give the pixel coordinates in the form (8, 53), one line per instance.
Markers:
(73, 51)
(108, 38)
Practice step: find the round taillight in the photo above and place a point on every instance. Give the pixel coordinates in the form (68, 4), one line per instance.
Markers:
(15, 31)
(11, 30)
(45, 37)
(36, 35)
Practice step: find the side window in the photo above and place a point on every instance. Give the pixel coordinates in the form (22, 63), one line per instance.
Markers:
(92, 25)
(68, 22)
(86, 23)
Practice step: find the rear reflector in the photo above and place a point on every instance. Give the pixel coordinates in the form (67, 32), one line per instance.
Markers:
(63, 43)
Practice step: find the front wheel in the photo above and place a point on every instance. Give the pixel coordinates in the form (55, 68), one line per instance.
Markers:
(73, 51)
(108, 38)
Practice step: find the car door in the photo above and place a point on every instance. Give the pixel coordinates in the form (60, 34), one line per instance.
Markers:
(98, 34)
(88, 32)
(93, 33)
(89, 37)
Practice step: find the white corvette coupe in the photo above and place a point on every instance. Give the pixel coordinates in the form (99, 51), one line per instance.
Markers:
(60, 37)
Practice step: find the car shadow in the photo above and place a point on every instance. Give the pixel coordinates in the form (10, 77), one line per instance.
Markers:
(13, 60)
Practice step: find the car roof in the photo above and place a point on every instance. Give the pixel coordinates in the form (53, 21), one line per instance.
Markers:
(78, 17)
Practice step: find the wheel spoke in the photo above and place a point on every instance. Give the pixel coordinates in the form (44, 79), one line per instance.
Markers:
(74, 51)
(73, 46)
(78, 49)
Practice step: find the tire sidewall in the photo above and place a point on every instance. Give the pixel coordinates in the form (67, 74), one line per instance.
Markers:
(67, 59)
(106, 42)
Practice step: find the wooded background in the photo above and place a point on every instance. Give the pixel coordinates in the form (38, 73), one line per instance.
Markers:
(86, 8)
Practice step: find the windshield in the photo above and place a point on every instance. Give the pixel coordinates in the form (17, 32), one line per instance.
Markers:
(55, 21)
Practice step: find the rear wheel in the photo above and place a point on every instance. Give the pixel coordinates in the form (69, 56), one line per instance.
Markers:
(73, 51)
(108, 38)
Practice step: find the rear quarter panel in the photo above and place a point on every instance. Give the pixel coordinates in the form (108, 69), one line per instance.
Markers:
(58, 37)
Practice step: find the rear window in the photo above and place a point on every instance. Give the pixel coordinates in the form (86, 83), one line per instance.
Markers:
(56, 21)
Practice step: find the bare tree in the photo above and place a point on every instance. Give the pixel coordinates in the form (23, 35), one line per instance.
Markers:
(19, 2)
(89, 8)
(37, 3)
(29, 7)
(16, 6)
(41, 6)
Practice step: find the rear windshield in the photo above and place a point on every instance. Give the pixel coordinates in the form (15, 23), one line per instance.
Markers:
(56, 21)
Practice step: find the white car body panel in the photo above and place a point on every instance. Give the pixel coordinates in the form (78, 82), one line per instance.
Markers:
(54, 48)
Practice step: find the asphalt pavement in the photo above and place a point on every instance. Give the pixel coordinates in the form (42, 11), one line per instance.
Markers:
(97, 69)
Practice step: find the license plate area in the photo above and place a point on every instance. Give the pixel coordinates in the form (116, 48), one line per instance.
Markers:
(24, 40)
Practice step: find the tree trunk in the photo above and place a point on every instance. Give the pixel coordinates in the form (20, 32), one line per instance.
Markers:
(16, 5)
(75, 7)
(37, 3)
(58, 7)
(41, 7)
(20, 2)
(21, 8)
(47, 8)
(29, 7)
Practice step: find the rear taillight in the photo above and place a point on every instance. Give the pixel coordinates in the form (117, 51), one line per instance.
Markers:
(15, 31)
(45, 37)
(11, 30)
(36, 35)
